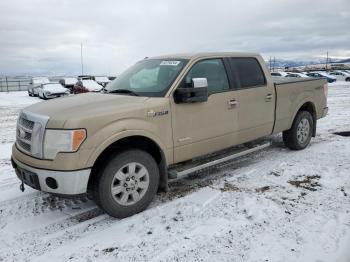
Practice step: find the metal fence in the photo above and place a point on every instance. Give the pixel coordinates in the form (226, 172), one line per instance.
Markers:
(8, 84)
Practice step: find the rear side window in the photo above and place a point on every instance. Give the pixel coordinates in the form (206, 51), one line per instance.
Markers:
(248, 72)
(214, 71)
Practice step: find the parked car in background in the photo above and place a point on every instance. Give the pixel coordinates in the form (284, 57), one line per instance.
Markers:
(330, 79)
(84, 86)
(85, 77)
(279, 74)
(52, 90)
(298, 75)
(68, 82)
(102, 80)
(112, 78)
(35, 83)
(341, 76)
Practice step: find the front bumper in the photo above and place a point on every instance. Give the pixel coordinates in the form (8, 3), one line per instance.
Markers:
(54, 95)
(53, 181)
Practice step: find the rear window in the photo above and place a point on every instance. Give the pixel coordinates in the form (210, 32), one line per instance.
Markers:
(248, 72)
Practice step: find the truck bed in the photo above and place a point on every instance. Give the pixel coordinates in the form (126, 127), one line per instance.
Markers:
(290, 80)
(290, 96)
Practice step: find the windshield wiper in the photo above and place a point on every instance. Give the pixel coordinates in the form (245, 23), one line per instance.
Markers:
(123, 91)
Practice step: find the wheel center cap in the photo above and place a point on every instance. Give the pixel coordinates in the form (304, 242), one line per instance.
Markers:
(131, 183)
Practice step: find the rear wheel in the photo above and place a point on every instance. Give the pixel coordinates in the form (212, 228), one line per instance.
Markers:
(127, 184)
(299, 136)
(347, 79)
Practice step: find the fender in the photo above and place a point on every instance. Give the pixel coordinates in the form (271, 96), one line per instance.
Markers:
(307, 99)
(127, 133)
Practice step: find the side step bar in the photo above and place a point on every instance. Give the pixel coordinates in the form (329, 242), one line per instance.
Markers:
(173, 174)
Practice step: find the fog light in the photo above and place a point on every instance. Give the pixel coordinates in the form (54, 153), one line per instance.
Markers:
(51, 183)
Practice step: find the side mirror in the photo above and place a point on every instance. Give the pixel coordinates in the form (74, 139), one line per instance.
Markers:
(197, 92)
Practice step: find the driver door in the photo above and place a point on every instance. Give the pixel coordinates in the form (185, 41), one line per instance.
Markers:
(203, 127)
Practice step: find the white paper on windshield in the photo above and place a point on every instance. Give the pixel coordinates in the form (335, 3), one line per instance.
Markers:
(170, 63)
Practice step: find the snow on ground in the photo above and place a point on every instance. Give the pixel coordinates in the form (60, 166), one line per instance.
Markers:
(273, 205)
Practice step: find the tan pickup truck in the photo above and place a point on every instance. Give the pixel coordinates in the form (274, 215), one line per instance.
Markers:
(119, 144)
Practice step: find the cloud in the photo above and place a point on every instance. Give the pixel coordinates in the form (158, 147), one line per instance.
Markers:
(40, 36)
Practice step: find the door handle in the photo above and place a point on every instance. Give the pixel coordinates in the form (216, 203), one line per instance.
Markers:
(233, 102)
(268, 97)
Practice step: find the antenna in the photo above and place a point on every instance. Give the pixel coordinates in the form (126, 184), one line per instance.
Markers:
(81, 59)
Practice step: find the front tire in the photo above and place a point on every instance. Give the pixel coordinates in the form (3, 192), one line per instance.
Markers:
(299, 135)
(127, 184)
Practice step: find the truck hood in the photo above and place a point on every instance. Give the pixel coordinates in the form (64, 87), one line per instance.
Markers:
(85, 106)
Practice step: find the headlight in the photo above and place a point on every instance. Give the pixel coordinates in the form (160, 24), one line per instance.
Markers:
(56, 141)
(47, 93)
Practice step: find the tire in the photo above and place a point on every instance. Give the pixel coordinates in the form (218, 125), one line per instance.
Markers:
(299, 135)
(347, 79)
(116, 174)
(44, 97)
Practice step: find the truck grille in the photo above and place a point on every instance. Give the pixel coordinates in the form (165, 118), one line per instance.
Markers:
(26, 123)
(24, 134)
(30, 132)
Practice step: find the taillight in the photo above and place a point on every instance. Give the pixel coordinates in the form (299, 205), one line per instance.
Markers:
(325, 89)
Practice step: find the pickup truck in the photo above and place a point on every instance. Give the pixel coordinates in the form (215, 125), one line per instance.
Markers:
(119, 145)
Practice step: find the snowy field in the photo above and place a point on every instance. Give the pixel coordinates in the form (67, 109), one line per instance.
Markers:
(273, 205)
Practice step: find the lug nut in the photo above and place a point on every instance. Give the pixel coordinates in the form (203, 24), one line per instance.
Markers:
(133, 178)
(127, 179)
(125, 185)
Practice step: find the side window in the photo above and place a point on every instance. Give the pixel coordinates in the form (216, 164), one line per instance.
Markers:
(248, 71)
(214, 71)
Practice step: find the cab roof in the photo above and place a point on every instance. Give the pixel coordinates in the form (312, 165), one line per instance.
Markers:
(205, 55)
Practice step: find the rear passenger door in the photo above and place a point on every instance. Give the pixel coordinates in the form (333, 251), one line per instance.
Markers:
(256, 99)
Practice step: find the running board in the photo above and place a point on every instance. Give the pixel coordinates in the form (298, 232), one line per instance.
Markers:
(175, 174)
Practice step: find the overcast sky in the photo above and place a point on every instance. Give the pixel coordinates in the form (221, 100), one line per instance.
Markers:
(44, 36)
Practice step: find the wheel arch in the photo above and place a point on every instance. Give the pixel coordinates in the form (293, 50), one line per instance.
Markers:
(310, 107)
(127, 142)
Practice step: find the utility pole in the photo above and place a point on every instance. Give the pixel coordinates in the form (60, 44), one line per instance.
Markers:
(327, 63)
(81, 58)
(274, 61)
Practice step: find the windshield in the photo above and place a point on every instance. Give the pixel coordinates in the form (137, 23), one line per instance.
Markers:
(149, 77)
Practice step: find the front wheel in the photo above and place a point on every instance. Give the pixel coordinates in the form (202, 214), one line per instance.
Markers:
(299, 135)
(127, 184)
